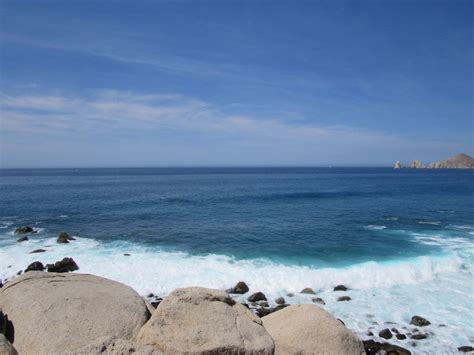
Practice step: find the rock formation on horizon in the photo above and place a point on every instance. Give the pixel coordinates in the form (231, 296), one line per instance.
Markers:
(460, 161)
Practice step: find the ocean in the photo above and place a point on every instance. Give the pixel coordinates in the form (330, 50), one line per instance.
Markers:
(401, 240)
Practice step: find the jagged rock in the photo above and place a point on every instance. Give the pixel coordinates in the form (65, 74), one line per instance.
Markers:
(55, 313)
(64, 238)
(197, 320)
(416, 164)
(65, 265)
(400, 336)
(240, 288)
(340, 288)
(460, 161)
(308, 329)
(373, 347)
(280, 300)
(308, 290)
(419, 321)
(37, 251)
(385, 333)
(22, 239)
(397, 165)
(35, 266)
(258, 296)
(318, 300)
(23, 230)
(343, 298)
(466, 349)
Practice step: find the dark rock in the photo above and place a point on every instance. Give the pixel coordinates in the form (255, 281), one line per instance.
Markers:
(35, 266)
(64, 238)
(22, 239)
(340, 288)
(401, 336)
(419, 321)
(369, 333)
(343, 298)
(126, 254)
(23, 230)
(240, 288)
(279, 307)
(373, 347)
(263, 303)
(395, 330)
(65, 265)
(290, 294)
(156, 302)
(280, 300)
(466, 349)
(19, 272)
(385, 333)
(3, 323)
(308, 290)
(150, 295)
(262, 312)
(37, 251)
(245, 305)
(258, 296)
(318, 300)
(419, 336)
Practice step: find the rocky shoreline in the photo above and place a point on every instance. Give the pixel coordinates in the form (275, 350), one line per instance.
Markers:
(459, 161)
(49, 310)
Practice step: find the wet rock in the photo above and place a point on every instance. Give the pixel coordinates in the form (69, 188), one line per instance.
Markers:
(263, 304)
(290, 294)
(23, 230)
(19, 272)
(395, 330)
(385, 333)
(240, 288)
(126, 254)
(37, 251)
(419, 321)
(258, 296)
(22, 239)
(308, 290)
(279, 307)
(370, 334)
(150, 295)
(280, 300)
(156, 302)
(35, 266)
(65, 265)
(340, 288)
(343, 298)
(262, 312)
(64, 238)
(373, 347)
(401, 336)
(318, 300)
(419, 336)
(466, 349)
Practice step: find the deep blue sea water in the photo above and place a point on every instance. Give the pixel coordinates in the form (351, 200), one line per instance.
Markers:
(280, 229)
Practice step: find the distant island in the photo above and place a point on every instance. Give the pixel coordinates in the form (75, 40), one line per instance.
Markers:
(460, 161)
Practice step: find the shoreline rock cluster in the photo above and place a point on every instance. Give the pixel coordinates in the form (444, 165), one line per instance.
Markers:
(69, 313)
(460, 161)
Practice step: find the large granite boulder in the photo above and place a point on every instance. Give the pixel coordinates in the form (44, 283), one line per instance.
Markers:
(308, 329)
(114, 346)
(53, 313)
(197, 320)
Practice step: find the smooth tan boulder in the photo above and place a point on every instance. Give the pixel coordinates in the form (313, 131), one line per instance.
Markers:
(54, 313)
(197, 320)
(114, 346)
(307, 329)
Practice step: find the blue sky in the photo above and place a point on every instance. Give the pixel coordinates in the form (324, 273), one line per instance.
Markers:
(226, 83)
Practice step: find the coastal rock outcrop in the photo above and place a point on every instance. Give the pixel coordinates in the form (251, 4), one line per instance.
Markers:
(197, 320)
(257, 296)
(64, 238)
(397, 165)
(308, 329)
(419, 321)
(35, 266)
(240, 288)
(460, 161)
(416, 164)
(64, 265)
(53, 313)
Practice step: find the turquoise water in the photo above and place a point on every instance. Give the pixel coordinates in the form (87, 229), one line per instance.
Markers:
(380, 231)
